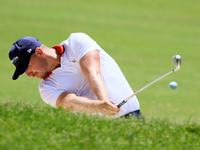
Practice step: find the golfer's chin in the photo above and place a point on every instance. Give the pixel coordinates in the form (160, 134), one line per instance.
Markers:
(38, 77)
(41, 76)
(44, 76)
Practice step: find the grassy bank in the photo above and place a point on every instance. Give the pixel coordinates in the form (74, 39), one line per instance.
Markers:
(28, 126)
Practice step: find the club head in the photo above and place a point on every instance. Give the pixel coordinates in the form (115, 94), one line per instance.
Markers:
(177, 62)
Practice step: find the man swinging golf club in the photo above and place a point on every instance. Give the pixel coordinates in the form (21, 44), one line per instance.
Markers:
(76, 75)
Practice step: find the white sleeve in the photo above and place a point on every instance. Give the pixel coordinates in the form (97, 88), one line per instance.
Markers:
(81, 44)
(49, 93)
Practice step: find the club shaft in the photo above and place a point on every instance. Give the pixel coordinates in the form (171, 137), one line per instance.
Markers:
(124, 101)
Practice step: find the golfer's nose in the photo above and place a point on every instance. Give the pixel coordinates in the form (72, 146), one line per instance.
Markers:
(28, 73)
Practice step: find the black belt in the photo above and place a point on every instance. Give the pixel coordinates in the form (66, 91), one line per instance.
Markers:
(135, 113)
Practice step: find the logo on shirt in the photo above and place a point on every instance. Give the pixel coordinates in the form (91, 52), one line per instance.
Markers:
(74, 61)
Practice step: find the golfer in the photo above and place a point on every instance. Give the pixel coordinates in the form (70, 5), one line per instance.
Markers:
(77, 75)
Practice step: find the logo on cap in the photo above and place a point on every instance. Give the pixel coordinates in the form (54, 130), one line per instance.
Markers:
(15, 59)
(29, 50)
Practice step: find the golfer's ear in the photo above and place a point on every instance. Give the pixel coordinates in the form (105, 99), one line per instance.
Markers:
(39, 51)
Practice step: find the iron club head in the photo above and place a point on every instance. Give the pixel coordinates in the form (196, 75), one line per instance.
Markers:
(177, 62)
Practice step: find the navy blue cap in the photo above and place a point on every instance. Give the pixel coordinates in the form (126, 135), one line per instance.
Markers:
(21, 52)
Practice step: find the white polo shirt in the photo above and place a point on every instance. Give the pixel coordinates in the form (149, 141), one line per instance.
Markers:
(69, 76)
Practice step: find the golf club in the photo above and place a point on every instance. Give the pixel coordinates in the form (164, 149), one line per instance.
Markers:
(177, 62)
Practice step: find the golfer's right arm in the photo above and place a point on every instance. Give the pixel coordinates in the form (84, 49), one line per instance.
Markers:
(70, 101)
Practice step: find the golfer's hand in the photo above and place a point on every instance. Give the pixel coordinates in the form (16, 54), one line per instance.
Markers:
(108, 107)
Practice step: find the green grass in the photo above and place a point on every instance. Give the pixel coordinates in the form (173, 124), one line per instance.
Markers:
(26, 125)
(141, 35)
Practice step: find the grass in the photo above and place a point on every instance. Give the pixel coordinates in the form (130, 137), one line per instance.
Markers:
(28, 125)
(142, 36)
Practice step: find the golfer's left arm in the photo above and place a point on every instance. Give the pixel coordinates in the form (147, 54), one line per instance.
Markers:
(90, 66)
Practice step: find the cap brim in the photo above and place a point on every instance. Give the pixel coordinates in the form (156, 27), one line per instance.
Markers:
(20, 69)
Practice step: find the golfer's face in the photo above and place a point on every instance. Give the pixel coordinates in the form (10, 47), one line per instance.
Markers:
(37, 67)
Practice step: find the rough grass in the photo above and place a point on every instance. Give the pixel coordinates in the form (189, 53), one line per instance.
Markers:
(26, 125)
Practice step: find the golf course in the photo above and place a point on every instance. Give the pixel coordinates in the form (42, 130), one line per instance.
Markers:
(142, 36)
